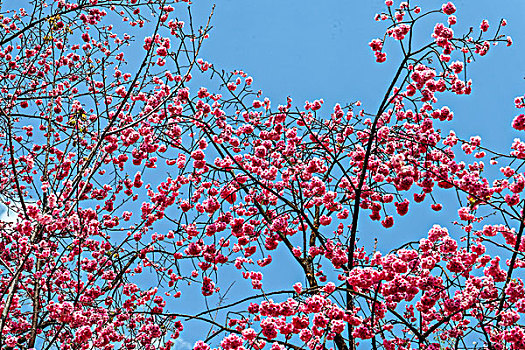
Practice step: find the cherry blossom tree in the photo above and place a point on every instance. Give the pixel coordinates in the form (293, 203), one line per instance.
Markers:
(130, 186)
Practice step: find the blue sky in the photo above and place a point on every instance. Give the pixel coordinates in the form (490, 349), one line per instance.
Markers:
(318, 49)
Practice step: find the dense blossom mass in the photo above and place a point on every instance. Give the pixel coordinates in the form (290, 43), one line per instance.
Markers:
(131, 184)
